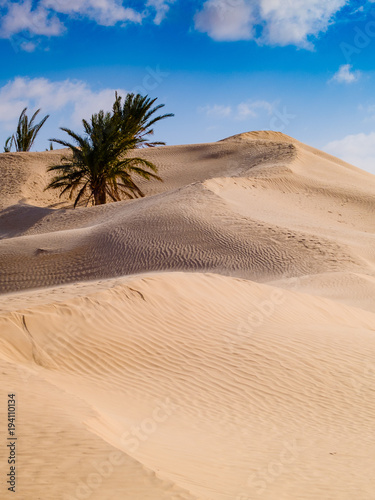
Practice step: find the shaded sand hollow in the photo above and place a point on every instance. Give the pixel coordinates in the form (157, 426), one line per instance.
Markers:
(214, 340)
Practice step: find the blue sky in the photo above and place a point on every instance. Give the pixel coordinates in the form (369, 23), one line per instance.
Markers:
(304, 67)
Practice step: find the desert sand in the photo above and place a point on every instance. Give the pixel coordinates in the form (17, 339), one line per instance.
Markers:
(214, 340)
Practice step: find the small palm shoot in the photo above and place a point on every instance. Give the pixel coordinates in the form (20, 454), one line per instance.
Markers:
(27, 131)
(8, 145)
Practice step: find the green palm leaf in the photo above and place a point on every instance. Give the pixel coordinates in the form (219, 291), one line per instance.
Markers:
(99, 167)
(27, 131)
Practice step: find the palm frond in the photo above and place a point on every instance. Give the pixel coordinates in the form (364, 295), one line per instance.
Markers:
(99, 165)
(26, 131)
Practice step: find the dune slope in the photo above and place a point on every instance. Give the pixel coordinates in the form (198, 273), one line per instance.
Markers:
(214, 340)
(210, 387)
(260, 206)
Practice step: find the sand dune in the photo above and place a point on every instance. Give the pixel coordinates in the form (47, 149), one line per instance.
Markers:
(212, 341)
(236, 388)
(259, 208)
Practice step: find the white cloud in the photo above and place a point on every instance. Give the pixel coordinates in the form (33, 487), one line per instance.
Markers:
(46, 17)
(217, 110)
(275, 22)
(104, 12)
(357, 149)
(93, 102)
(21, 17)
(242, 111)
(28, 46)
(226, 20)
(161, 7)
(368, 110)
(75, 96)
(293, 22)
(250, 109)
(346, 75)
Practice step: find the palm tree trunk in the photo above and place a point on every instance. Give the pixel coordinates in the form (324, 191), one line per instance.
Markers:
(100, 197)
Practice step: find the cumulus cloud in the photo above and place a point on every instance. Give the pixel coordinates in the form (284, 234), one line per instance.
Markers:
(104, 12)
(275, 22)
(250, 109)
(28, 46)
(75, 96)
(357, 149)
(161, 7)
(217, 110)
(293, 22)
(242, 111)
(345, 74)
(368, 110)
(22, 17)
(46, 17)
(226, 20)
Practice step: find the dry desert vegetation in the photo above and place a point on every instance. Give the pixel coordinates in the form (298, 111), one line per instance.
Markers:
(214, 340)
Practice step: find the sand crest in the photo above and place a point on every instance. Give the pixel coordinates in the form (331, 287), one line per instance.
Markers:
(212, 341)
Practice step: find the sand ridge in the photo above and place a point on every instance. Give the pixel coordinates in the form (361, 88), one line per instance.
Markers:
(212, 341)
(241, 392)
(254, 206)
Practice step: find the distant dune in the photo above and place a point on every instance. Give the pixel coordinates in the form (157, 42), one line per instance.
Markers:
(214, 340)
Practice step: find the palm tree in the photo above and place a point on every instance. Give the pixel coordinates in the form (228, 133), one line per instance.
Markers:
(98, 167)
(26, 131)
(8, 145)
(136, 117)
